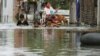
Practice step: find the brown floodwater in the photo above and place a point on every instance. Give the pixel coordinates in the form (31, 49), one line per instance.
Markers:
(43, 42)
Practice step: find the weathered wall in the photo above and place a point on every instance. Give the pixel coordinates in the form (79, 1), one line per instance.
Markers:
(88, 12)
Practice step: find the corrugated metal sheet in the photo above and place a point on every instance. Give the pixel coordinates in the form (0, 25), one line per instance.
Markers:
(87, 12)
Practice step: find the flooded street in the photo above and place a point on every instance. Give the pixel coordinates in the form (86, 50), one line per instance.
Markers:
(43, 42)
(49, 28)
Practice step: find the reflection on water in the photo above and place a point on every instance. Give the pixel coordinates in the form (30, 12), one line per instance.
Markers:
(41, 42)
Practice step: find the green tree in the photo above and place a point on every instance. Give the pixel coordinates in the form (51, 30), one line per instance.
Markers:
(63, 4)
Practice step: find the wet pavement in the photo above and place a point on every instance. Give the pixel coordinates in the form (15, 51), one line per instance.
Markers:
(44, 42)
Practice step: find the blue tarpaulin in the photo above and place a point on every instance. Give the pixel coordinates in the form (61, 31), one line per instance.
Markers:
(78, 10)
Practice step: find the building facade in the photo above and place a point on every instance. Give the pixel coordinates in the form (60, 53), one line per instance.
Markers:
(7, 11)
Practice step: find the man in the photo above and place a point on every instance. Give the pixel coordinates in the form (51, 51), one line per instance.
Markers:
(22, 20)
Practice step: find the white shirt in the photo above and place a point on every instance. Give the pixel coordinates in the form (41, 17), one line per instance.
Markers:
(49, 11)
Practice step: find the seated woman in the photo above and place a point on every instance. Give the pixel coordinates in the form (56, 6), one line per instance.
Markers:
(51, 18)
(48, 8)
(49, 11)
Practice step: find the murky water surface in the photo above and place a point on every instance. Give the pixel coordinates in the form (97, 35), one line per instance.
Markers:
(38, 42)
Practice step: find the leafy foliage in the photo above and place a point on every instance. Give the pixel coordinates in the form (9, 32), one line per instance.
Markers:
(63, 4)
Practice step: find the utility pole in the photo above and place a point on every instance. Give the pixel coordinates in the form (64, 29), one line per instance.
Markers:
(0, 9)
(18, 9)
(72, 11)
(98, 14)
